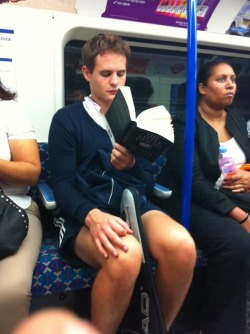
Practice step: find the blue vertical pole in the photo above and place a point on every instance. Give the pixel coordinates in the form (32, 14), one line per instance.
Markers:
(190, 111)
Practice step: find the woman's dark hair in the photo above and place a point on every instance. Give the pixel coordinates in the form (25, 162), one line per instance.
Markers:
(206, 70)
(6, 94)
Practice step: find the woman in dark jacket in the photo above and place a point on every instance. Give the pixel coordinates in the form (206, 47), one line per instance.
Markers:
(218, 225)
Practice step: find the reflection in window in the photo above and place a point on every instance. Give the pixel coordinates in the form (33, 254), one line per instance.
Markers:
(165, 70)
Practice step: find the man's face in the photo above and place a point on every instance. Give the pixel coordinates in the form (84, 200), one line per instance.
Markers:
(108, 75)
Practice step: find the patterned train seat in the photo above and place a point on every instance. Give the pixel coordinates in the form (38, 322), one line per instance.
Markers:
(52, 273)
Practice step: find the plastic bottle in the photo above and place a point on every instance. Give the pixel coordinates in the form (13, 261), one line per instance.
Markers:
(226, 163)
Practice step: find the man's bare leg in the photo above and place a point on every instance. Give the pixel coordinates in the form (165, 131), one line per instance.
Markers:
(114, 283)
(174, 250)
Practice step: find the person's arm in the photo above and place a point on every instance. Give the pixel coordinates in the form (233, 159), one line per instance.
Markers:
(19, 156)
(24, 167)
(236, 124)
(241, 217)
(203, 191)
(62, 146)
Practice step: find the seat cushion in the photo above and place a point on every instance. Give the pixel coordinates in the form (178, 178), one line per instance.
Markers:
(53, 274)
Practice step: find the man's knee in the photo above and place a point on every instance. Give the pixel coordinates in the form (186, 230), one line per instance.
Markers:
(179, 246)
(127, 264)
(184, 252)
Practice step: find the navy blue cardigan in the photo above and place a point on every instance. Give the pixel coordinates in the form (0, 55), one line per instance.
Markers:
(73, 137)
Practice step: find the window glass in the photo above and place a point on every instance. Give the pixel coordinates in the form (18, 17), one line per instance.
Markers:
(157, 75)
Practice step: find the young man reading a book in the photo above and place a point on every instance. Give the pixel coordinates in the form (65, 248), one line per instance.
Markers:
(96, 233)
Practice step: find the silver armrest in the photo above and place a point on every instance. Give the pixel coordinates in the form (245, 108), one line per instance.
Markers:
(46, 195)
(161, 191)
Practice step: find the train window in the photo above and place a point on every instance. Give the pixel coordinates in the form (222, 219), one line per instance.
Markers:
(75, 86)
(157, 74)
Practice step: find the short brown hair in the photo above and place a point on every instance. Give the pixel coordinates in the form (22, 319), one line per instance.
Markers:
(101, 44)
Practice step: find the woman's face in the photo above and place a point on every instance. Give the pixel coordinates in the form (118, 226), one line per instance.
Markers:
(220, 88)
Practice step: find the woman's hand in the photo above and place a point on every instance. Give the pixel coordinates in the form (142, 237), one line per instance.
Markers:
(121, 158)
(239, 182)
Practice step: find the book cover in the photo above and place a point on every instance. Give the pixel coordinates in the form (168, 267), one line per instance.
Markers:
(148, 135)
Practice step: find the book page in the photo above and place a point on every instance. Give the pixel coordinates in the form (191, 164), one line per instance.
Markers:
(158, 120)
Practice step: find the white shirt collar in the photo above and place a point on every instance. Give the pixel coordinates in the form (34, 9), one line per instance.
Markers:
(94, 111)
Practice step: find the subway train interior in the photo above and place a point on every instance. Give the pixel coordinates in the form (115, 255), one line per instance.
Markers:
(40, 58)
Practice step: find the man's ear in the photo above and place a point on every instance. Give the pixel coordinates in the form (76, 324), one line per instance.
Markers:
(86, 73)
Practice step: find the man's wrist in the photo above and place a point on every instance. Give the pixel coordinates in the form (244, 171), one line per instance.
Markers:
(132, 164)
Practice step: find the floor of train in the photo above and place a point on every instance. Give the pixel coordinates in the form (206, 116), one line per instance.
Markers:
(187, 321)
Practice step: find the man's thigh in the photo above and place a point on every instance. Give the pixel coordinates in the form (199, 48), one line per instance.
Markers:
(84, 247)
(162, 231)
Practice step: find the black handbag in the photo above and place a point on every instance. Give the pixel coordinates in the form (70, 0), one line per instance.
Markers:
(14, 225)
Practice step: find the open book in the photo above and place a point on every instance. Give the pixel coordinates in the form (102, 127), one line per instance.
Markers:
(147, 135)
